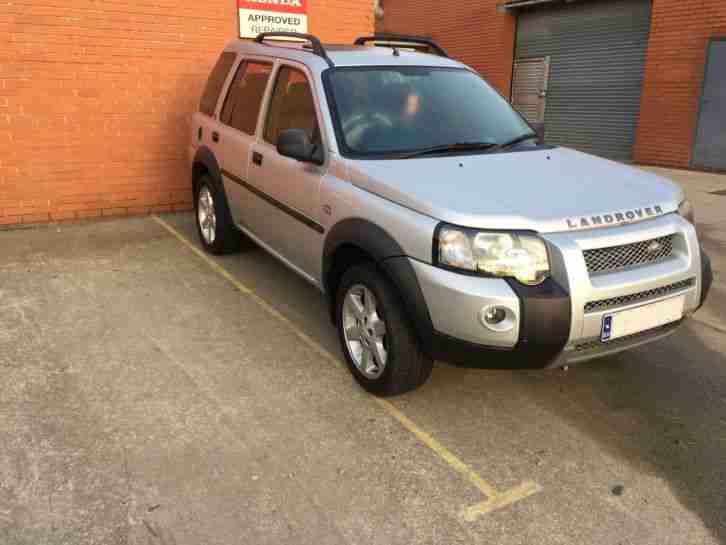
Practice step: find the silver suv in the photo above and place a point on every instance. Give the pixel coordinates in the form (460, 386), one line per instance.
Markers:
(404, 187)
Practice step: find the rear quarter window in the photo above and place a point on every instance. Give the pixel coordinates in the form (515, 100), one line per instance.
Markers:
(215, 83)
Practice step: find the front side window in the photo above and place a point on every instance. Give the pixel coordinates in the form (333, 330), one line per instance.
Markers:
(383, 111)
(244, 98)
(215, 83)
(292, 106)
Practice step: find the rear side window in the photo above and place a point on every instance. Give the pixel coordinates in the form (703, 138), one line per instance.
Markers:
(242, 106)
(215, 83)
(292, 106)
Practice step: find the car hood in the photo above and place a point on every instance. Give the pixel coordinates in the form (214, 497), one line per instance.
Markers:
(546, 190)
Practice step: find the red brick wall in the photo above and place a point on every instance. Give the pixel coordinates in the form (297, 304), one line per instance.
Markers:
(341, 21)
(673, 85)
(95, 99)
(471, 31)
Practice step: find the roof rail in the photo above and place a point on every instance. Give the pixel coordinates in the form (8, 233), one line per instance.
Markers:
(318, 48)
(403, 39)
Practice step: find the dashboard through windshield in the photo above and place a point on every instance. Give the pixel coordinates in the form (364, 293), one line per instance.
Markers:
(395, 111)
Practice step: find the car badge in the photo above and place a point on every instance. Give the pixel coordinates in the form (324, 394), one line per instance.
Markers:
(654, 247)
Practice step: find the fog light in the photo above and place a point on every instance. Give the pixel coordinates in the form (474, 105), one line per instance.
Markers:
(497, 318)
(494, 315)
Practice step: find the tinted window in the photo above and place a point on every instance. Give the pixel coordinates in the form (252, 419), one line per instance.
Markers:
(396, 110)
(292, 106)
(215, 83)
(242, 106)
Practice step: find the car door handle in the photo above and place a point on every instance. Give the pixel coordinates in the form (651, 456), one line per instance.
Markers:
(215, 136)
(257, 157)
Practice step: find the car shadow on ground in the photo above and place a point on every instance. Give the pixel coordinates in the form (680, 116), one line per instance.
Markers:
(660, 407)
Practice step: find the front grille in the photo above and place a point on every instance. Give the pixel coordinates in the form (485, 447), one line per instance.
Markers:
(629, 255)
(604, 304)
(597, 344)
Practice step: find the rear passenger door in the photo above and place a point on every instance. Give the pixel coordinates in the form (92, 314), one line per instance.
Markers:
(290, 189)
(236, 131)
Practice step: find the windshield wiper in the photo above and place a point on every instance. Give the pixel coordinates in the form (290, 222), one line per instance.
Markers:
(514, 141)
(457, 146)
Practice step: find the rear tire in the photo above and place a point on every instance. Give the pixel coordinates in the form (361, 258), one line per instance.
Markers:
(217, 231)
(377, 339)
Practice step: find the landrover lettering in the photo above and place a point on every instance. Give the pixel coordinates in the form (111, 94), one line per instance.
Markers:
(615, 217)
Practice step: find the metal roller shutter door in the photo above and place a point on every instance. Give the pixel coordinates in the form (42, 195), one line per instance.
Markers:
(597, 52)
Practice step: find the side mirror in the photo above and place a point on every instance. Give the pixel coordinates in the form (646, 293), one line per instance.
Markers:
(295, 143)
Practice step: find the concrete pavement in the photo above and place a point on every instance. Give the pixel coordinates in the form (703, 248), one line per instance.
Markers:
(145, 399)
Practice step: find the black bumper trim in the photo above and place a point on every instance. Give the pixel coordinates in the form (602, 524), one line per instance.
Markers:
(467, 354)
(706, 277)
(544, 328)
(545, 315)
(544, 319)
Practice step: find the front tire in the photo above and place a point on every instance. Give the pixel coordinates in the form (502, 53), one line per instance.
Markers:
(378, 342)
(215, 227)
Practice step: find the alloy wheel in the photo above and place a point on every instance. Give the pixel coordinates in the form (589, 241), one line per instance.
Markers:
(365, 331)
(206, 216)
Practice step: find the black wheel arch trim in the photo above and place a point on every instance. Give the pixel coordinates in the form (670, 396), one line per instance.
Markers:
(364, 234)
(206, 158)
(545, 310)
(706, 277)
(390, 257)
(404, 278)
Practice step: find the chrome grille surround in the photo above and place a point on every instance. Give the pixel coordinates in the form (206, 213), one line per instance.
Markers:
(622, 300)
(613, 258)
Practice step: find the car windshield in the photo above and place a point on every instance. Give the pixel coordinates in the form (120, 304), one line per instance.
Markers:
(398, 111)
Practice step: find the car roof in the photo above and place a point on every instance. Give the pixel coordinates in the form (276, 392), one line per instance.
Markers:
(341, 55)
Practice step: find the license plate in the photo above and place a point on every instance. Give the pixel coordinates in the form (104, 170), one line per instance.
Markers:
(635, 320)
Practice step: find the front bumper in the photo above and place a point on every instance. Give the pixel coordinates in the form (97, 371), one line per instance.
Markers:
(559, 322)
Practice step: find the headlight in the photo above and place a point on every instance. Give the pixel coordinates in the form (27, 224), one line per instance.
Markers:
(685, 209)
(521, 256)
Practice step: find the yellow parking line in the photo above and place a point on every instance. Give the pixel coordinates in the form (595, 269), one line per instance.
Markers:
(495, 499)
(441, 451)
(500, 500)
